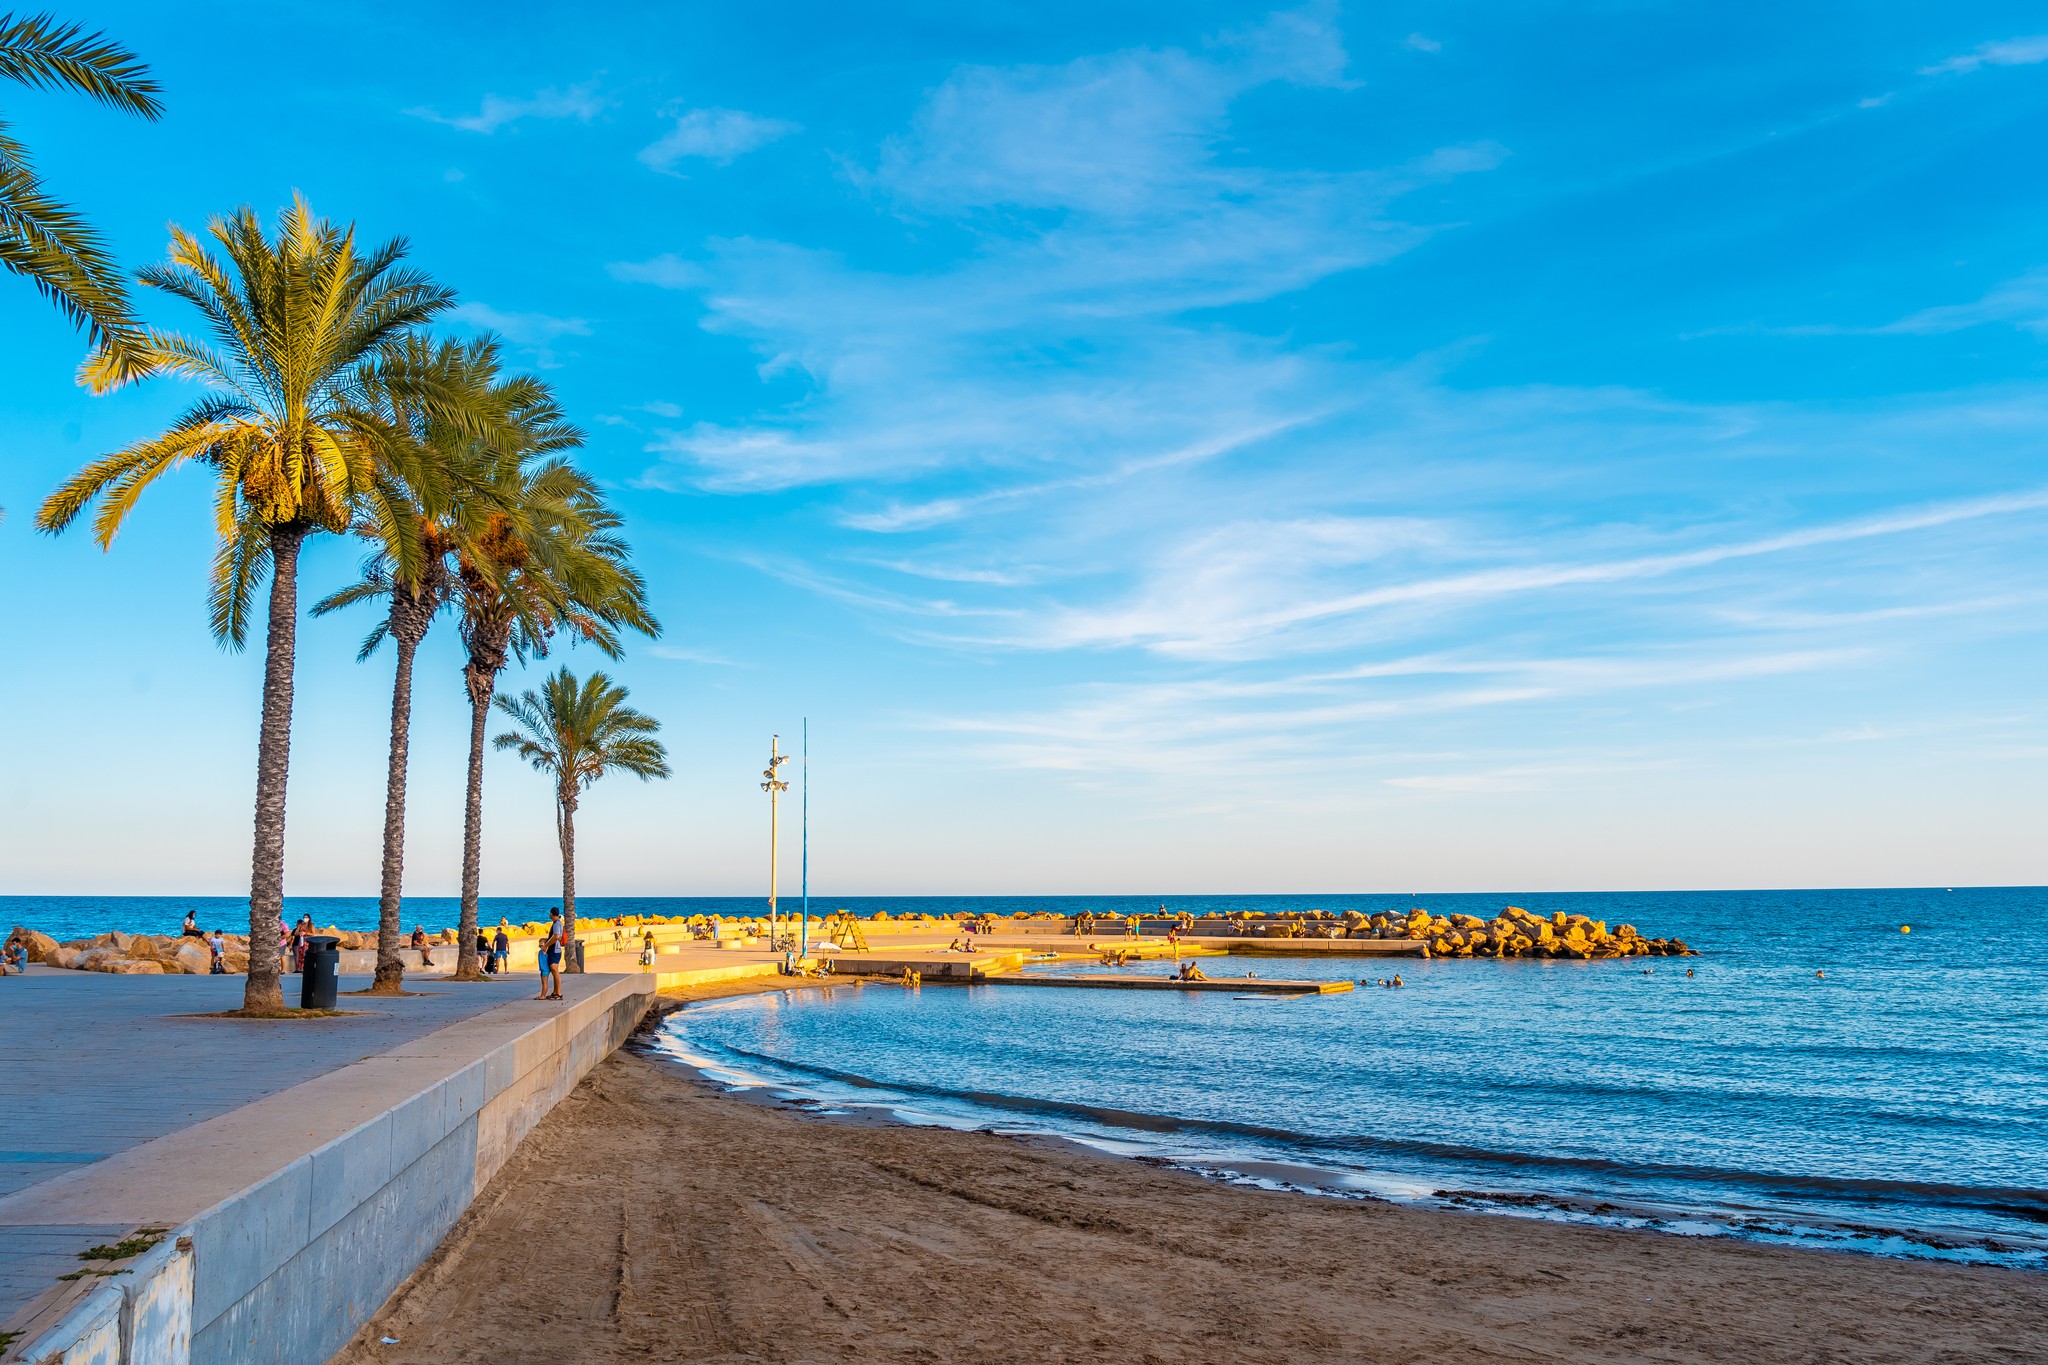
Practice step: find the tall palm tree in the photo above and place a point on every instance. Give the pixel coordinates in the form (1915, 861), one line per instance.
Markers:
(40, 238)
(558, 567)
(576, 733)
(476, 412)
(294, 446)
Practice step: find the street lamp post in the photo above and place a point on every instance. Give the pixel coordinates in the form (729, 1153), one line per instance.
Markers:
(803, 936)
(775, 787)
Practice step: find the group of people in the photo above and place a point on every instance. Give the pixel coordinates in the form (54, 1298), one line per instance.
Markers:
(216, 942)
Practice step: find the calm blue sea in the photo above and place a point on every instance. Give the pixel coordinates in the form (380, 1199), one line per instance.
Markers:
(1898, 1104)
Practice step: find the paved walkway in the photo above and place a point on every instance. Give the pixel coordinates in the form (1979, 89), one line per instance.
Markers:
(96, 1064)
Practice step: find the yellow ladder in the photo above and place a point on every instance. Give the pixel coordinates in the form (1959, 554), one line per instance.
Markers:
(847, 934)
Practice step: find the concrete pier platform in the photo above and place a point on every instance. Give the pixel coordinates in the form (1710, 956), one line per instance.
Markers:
(294, 1172)
(1235, 985)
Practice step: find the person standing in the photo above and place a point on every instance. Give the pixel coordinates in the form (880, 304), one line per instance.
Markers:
(219, 947)
(551, 957)
(501, 950)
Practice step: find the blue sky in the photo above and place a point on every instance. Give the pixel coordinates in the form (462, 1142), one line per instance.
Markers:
(1161, 448)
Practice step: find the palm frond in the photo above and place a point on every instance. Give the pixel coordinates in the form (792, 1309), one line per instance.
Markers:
(51, 246)
(37, 51)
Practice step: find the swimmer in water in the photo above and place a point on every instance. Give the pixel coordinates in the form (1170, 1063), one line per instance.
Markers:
(1398, 981)
(1819, 973)
(1688, 971)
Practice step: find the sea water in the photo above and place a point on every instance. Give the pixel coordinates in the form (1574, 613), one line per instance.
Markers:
(1896, 1104)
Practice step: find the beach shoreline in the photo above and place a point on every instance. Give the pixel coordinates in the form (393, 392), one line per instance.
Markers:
(653, 1215)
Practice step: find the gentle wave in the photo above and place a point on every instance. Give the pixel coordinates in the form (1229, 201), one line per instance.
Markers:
(2028, 1204)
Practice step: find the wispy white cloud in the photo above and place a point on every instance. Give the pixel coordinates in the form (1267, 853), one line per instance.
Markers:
(1319, 723)
(1202, 603)
(2009, 52)
(2021, 302)
(666, 271)
(527, 329)
(2018, 302)
(581, 102)
(1423, 43)
(720, 136)
(690, 656)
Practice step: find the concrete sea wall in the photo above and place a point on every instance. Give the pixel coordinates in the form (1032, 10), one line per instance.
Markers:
(287, 1267)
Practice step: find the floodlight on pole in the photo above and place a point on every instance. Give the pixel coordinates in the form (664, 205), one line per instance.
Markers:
(775, 787)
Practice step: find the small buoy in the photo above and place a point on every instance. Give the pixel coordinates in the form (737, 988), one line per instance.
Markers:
(1905, 928)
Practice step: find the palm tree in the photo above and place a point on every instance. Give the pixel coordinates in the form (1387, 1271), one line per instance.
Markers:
(475, 411)
(576, 733)
(294, 446)
(557, 566)
(40, 238)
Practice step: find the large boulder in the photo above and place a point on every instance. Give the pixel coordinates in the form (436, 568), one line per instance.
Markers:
(191, 957)
(39, 945)
(131, 966)
(145, 948)
(64, 955)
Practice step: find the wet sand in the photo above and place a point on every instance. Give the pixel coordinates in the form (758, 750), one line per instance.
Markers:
(653, 1218)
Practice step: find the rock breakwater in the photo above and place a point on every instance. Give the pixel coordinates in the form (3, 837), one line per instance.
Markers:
(1516, 932)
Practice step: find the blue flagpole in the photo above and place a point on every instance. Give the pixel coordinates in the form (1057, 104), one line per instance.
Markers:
(804, 929)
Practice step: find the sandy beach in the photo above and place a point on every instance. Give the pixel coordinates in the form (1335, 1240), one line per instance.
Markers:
(653, 1217)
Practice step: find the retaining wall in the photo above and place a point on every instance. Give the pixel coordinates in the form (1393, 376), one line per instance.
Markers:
(288, 1267)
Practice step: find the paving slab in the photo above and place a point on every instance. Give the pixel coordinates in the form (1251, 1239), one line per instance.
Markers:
(99, 1064)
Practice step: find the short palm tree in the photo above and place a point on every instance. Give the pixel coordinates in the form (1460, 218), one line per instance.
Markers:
(475, 412)
(41, 238)
(576, 733)
(294, 446)
(558, 567)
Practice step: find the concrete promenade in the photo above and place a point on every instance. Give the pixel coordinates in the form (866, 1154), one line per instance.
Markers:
(288, 1175)
(297, 1170)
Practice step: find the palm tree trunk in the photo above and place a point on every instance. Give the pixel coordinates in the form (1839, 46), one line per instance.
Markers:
(565, 832)
(264, 990)
(390, 977)
(481, 682)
